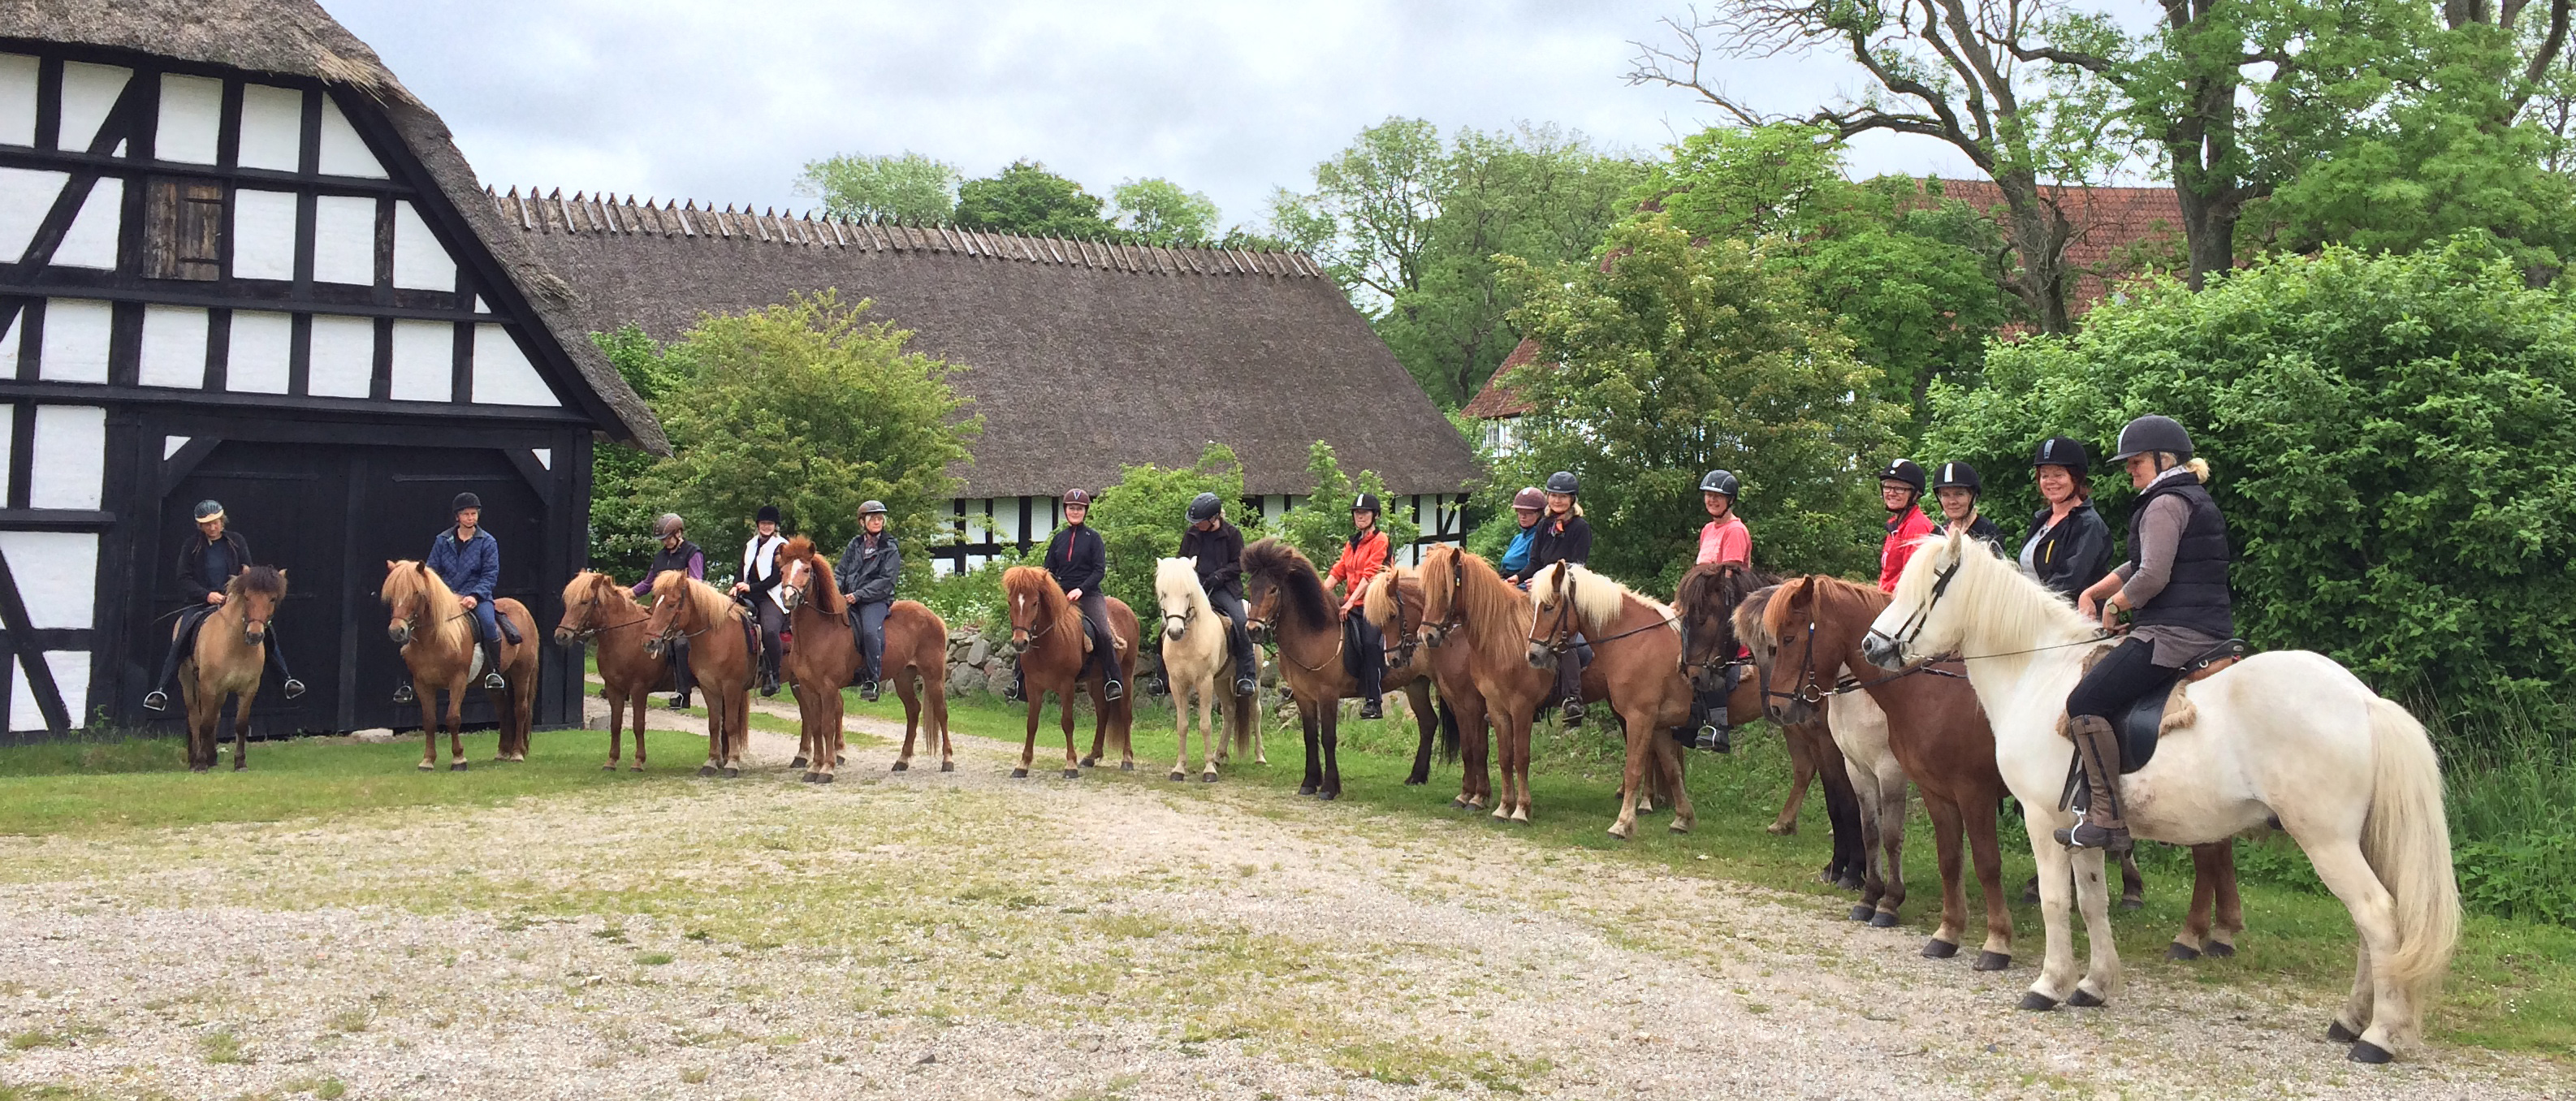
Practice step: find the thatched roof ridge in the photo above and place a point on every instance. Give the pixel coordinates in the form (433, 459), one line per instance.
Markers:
(1083, 355)
(298, 38)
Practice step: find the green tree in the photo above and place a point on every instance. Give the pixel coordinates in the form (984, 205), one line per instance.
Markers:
(1681, 357)
(814, 408)
(905, 187)
(1320, 524)
(621, 540)
(1027, 199)
(2387, 435)
(1140, 520)
(1159, 212)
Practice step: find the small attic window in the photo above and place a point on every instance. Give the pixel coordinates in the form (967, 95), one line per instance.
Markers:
(183, 226)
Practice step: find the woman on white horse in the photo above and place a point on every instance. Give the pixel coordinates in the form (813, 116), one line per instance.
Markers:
(2174, 587)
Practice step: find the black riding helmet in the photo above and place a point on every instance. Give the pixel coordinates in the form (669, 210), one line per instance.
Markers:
(1563, 482)
(2065, 451)
(1204, 508)
(1366, 502)
(768, 515)
(2153, 432)
(1718, 481)
(1955, 475)
(464, 501)
(1903, 470)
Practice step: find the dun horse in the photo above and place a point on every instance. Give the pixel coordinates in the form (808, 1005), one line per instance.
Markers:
(1285, 599)
(436, 634)
(230, 653)
(1047, 639)
(1637, 652)
(598, 609)
(826, 656)
(1198, 663)
(719, 660)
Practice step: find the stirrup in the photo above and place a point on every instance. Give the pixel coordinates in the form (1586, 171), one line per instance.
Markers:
(495, 681)
(1713, 738)
(156, 700)
(1573, 710)
(1246, 686)
(1372, 709)
(1112, 690)
(868, 689)
(293, 688)
(403, 694)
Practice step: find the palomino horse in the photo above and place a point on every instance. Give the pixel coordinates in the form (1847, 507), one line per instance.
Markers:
(2287, 734)
(598, 609)
(1637, 651)
(1198, 664)
(826, 656)
(1394, 603)
(719, 660)
(1708, 598)
(230, 653)
(1284, 598)
(436, 634)
(1465, 604)
(1047, 640)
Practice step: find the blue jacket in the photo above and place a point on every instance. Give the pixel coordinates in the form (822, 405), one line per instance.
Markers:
(1516, 556)
(471, 569)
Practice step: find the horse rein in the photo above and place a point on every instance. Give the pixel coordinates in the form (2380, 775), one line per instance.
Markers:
(1560, 638)
(1811, 693)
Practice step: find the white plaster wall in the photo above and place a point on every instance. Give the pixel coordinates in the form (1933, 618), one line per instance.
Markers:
(344, 240)
(174, 347)
(71, 678)
(9, 342)
(26, 196)
(258, 362)
(57, 574)
(502, 373)
(420, 262)
(17, 99)
(272, 128)
(344, 153)
(545, 456)
(192, 110)
(344, 357)
(75, 346)
(263, 234)
(8, 436)
(424, 361)
(89, 93)
(71, 458)
(91, 242)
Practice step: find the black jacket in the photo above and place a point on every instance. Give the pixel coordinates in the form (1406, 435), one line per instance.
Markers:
(1574, 544)
(2074, 554)
(1077, 558)
(1220, 557)
(866, 574)
(192, 565)
(2196, 596)
(1983, 531)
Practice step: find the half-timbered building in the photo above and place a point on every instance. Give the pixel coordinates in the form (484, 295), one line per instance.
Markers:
(239, 261)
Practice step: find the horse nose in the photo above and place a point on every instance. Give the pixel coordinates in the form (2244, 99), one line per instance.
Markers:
(1882, 652)
(563, 637)
(1539, 658)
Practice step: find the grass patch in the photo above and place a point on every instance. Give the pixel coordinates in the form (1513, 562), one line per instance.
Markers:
(653, 959)
(222, 1046)
(70, 1035)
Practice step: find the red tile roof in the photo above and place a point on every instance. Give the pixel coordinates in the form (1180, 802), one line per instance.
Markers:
(1496, 399)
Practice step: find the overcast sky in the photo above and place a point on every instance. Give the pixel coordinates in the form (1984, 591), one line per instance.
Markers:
(725, 102)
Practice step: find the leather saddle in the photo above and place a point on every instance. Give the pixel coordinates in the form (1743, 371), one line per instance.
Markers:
(2164, 708)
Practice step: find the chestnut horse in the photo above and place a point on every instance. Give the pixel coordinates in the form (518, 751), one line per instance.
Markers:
(231, 651)
(436, 634)
(1637, 651)
(1467, 605)
(1708, 599)
(1394, 603)
(598, 609)
(1047, 637)
(826, 656)
(719, 660)
(1284, 598)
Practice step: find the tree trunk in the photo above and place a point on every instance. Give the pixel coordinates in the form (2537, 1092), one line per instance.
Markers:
(2039, 235)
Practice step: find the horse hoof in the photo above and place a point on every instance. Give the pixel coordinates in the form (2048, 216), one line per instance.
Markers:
(1088, 762)
(2083, 999)
(2133, 904)
(797, 762)
(1126, 766)
(947, 766)
(1679, 826)
(706, 770)
(2220, 949)
(1938, 949)
(202, 768)
(1882, 920)
(424, 767)
(1328, 796)
(2037, 1002)
(1621, 832)
(822, 777)
(732, 773)
(609, 767)
(1306, 789)
(806, 778)
(901, 766)
(457, 767)
(1993, 961)
(1019, 774)
(1073, 774)
(1521, 817)
(1411, 782)
(1207, 777)
(2180, 951)
(1178, 775)
(1779, 829)
(2367, 1052)
(1848, 883)
(239, 764)
(2337, 1033)
(1863, 913)
(638, 767)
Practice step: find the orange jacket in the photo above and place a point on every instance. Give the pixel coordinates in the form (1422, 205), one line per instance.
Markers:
(1361, 559)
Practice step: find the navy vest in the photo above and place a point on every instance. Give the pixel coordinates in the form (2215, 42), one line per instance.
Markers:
(2196, 596)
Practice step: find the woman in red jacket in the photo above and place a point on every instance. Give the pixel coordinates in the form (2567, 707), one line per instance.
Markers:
(1900, 487)
(1362, 556)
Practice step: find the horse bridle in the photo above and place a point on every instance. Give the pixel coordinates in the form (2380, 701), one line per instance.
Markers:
(1439, 632)
(1922, 617)
(1811, 693)
(1403, 654)
(588, 630)
(1270, 627)
(1560, 637)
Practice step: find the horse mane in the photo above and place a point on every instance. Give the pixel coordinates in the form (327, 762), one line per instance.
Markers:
(1751, 622)
(1598, 601)
(603, 587)
(1302, 589)
(409, 578)
(824, 591)
(2029, 609)
(268, 581)
(1497, 614)
(1719, 589)
(711, 606)
(1383, 603)
(1031, 581)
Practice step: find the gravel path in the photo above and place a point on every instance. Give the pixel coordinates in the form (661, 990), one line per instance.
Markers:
(966, 935)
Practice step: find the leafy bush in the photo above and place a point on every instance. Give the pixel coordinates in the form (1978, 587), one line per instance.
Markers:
(973, 599)
(1141, 519)
(1321, 524)
(2390, 437)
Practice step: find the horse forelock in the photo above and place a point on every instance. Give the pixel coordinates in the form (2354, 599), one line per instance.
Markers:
(268, 581)
(1179, 577)
(410, 582)
(1383, 602)
(1030, 583)
(822, 586)
(1600, 601)
(697, 597)
(1301, 588)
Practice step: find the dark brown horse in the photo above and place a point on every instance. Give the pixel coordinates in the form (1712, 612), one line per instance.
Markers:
(1394, 605)
(719, 660)
(1707, 599)
(230, 653)
(598, 609)
(436, 634)
(1285, 601)
(826, 656)
(1047, 640)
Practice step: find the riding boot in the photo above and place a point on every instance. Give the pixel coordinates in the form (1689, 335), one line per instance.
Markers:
(180, 643)
(1714, 733)
(277, 657)
(492, 678)
(680, 682)
(1569, 686)
(1246, 679)
(2099, 824)
(1372, 682)
(769, 664)
(869, 675)
(1104, 649)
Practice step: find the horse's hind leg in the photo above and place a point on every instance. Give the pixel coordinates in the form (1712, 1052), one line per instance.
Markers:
(638, 710)
(1891, 841)
(903, 687)
(1669, 753)
(2133, 883)
(2231, 909)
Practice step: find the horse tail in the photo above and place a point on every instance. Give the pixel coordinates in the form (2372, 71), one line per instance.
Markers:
(2407, 840)
(1448, 733)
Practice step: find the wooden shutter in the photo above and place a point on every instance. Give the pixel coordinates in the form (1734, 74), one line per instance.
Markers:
(183, 226)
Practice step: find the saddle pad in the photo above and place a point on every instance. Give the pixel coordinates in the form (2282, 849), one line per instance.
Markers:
(2158, 712)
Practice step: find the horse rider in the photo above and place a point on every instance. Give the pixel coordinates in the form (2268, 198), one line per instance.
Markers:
(468, 559)
(1565, 536)
(1217, 547)
(2069, 546)
(1527, 506)
(1079, 562)
(2174, 587)
(759, 585)
(675, 553)
(206, 564)
(1363, 555)
(869, 569)
(1723, 539)
(1900, 488)
(1957, 488)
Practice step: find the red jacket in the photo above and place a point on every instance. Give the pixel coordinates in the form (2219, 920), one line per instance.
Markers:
(1902, 531)
(1360, 561)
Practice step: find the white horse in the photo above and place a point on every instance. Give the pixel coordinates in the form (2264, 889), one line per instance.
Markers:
(1859, 728)
(1195, 660)
(2352, 777)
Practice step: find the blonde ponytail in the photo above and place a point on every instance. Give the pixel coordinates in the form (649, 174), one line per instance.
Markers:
(2199, 468)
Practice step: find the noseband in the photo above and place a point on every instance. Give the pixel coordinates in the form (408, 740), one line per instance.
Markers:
(1560, 637)
(1903, 639)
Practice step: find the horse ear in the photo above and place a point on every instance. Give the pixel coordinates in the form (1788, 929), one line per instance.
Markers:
(391, 565)
(423, 567)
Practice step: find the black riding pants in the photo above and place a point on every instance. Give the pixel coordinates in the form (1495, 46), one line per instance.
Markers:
(1569, 670)
(1104, 648)
(868, 620)
(1238, 640)
(773, 620)
(2122, 676)
(1372, 656)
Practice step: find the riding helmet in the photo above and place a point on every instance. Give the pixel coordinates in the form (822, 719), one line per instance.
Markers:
(1957, 475)
(1718, 481)
(1204, 508)
(1563, 482)
(669, 525)
(1533, 499)
(464, 501)
(1077, 497)
(1903, 470)
(869, 508)
(209, 509)
(2065, 451)
(1367, 502)
(768, 515)
(2153, 432)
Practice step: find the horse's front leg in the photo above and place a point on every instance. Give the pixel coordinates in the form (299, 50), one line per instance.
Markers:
(2193, 941)
(1802, 771)
(428, 695)
(1311, 726)
(1332, 741)
(616, 723)
(1064, 712)
(1669, 753)
(1891, 842)
(1029, 747)
(2133, 883)
(637, 697)
(1632, 785)
(241, 727)
(456, 728)
(2093, 897)
(1181, 693)
(1987, 851)
(1947, 831)
(2057, 973)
